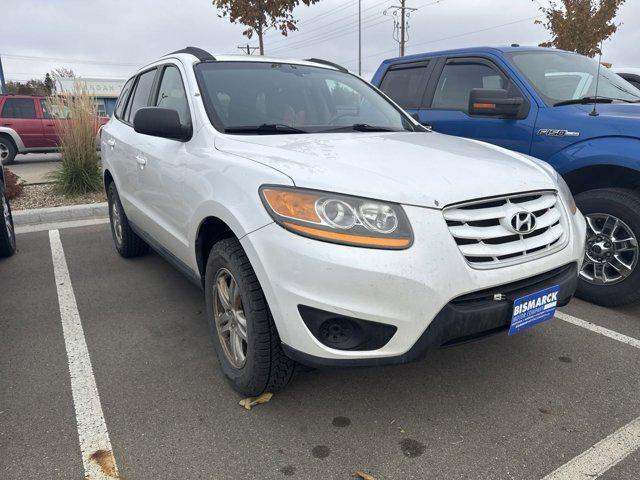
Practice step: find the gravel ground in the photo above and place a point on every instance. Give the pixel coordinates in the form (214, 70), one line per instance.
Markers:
(43, 196)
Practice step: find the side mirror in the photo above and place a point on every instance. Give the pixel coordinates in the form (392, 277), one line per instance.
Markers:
(161, 122)
(494, 103)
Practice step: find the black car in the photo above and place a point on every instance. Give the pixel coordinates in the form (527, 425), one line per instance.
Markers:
(7, 233)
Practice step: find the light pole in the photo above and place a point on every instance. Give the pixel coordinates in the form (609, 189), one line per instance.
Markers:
(360, 37)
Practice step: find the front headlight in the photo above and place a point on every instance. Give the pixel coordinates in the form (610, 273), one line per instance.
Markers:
(567, 196)
(338, 218)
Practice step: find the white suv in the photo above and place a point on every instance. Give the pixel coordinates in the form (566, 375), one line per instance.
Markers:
(325, 225)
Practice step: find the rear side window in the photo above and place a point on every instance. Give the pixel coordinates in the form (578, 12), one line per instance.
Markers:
(141, 94)
(18, 108)
(405, 86)
(459, 78)
(172, 94)
(122, 99)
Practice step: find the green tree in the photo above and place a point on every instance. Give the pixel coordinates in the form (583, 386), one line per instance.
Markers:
(260, 15)
(30, 87)
(580, 25)
(49, 84)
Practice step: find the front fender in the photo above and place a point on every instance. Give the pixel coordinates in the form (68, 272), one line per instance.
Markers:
(614, 151)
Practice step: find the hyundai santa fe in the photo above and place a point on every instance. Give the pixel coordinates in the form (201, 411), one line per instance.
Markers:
(325, 225)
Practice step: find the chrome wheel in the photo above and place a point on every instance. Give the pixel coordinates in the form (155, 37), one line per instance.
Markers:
(229, 317)
(4, 151)
(116, 221)
(611, 252)
(7, 217)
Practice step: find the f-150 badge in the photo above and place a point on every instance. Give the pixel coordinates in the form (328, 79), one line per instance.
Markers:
(551, 132)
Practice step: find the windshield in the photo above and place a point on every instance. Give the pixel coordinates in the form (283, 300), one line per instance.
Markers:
(560, 76)
(286, 98)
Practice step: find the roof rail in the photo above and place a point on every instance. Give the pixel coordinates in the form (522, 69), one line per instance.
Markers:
(326, 62)
(199, 53)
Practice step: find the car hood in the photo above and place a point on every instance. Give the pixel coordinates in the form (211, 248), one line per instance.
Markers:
(425, 169)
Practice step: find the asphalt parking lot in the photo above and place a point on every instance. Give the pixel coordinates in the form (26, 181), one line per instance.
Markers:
(505, 407)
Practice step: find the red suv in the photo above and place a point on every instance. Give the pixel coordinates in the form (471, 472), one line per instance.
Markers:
(26, 126)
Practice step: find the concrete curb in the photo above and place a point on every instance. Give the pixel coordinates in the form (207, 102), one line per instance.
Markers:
(60, 214)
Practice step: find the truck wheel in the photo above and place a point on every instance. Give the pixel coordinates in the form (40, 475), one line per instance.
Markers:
(7, 233)
(610, 274)
(244, 336)
(127, 242)
(7, 151)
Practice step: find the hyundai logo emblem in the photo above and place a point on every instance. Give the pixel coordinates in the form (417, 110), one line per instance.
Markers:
(523, 222)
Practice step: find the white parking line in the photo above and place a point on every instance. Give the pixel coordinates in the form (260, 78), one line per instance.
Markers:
(602, 456)
(43, 227)
(598, 329)
(97, 455)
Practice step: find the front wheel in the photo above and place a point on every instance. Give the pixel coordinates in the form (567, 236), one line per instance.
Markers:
(610, 274)
(242, 329)
(8, 151)
(7, 233)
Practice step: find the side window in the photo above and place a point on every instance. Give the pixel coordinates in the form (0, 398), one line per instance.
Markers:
(406, 85)
(172, 94)
(122, 99)
(19, 108)
(459, 78)
(54, 111)
(141, 94)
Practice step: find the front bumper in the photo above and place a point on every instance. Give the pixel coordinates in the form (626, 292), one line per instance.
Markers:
(407, 289)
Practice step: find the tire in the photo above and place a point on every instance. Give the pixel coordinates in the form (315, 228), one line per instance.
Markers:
(128, 243)
(7, 233)
(8, 151)
(266, 368)
(598, 206)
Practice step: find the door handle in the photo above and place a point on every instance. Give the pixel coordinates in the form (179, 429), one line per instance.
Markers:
(141, 160)
(111, 142)
(7, 124)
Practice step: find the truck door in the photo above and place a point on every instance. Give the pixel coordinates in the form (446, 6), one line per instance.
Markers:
(446, 106)
(406, 83)
(19, 114)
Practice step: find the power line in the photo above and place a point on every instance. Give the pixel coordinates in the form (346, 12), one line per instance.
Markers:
(298, 34)
(348, 29)
(69, 60)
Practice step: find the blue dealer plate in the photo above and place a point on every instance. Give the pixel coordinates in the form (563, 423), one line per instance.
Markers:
(533, 309)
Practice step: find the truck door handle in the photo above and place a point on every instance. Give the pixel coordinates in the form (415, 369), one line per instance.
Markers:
(7, 124)
(141, 160)
(111, 142)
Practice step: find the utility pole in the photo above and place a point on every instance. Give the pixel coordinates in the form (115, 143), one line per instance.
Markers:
(402, 27)
(359, 37)
(3, 86)
(401, 14)
(248, 48)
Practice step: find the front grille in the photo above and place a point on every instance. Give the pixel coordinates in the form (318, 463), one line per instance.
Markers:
(486, 237)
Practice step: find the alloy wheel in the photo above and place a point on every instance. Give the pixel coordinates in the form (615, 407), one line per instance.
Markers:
(116, 220)
(4, 151)
(611, 252)
(229, 317)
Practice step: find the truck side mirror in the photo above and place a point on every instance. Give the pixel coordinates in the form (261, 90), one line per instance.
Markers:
(489, 102)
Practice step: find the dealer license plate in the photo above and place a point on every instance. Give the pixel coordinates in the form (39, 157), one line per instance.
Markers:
(533, 309)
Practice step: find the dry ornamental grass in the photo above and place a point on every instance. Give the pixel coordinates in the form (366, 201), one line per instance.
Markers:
(76, 123)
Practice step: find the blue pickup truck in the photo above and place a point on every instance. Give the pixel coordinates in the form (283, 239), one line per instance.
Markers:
(553, 105)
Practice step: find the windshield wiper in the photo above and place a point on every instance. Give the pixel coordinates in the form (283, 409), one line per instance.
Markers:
(585, 101)
(361, 127)
(265, 128)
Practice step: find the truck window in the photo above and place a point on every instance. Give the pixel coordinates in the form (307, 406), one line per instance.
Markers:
(405, 86)
(459, 78)
(19, 108)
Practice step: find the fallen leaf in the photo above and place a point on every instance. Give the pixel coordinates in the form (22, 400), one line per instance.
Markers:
(363, 476)
(250, 402)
